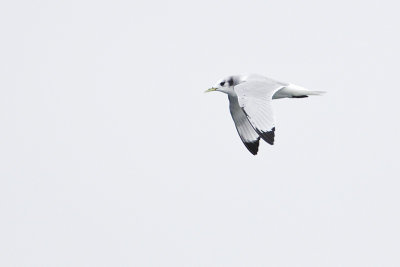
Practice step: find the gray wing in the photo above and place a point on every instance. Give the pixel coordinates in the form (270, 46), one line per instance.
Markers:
(246, 132)
(255, 97)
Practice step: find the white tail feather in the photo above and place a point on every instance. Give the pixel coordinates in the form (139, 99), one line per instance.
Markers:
(315, 92)
(293, 91)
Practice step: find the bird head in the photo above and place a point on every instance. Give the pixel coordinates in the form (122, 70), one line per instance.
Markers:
(224, 85)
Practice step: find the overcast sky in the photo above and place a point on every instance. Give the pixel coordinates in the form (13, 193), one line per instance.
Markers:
(111, 155)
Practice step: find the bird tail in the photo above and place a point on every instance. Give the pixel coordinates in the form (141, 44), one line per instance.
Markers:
(315, 92)
(296, 91)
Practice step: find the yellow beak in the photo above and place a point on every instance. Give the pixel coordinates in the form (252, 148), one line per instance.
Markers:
(210, 90)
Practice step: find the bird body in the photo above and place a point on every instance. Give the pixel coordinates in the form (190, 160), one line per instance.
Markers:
(250, 98)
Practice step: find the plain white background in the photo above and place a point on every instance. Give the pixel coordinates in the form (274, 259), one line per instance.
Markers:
(111, 155)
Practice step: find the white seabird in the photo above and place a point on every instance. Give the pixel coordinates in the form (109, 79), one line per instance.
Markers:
(250, 99)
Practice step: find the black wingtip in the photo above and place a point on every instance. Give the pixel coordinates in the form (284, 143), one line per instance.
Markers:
(252, 146)
(299, 96)
(269, 136)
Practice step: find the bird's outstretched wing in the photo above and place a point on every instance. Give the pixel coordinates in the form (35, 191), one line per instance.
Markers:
(255, 97)
(246, 132)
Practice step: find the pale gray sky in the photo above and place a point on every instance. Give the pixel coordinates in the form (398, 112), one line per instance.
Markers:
(111, 155)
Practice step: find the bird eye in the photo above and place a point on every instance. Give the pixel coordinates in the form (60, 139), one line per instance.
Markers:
(222, 83)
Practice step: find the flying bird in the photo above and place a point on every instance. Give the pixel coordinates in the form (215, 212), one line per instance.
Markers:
(250, 98)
